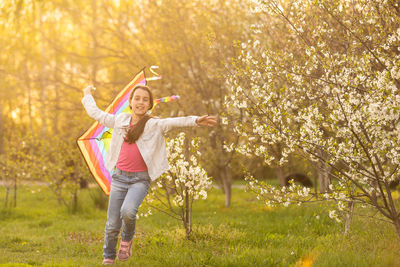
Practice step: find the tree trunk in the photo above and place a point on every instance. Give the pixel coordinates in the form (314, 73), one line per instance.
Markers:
(43, 97)
(6, 197)
(56, 100)
(75, 203)
(316, 176)
(348, 217)
(186, 215)
(324, 171)
(28, 87)
(324, 179)
(280, 173)
(93, 45)
(1, 131)
(15, 191)
(397, 225)
(226, 177)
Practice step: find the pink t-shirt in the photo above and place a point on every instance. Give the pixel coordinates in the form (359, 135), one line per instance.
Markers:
(130, 159)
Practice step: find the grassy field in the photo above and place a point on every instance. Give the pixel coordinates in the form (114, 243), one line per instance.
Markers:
(39, 232)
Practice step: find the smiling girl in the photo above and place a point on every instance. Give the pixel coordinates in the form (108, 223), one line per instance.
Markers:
(137, 156)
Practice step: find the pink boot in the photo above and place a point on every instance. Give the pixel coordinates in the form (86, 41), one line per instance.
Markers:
(125, 250)
(108, 261)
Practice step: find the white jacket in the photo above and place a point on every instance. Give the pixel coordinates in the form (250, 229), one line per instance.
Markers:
(151, 143)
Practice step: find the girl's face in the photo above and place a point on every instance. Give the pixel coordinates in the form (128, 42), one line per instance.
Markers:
(140, 102)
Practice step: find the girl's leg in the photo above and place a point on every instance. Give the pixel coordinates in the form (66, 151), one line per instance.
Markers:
(113, 225)
(134, 197)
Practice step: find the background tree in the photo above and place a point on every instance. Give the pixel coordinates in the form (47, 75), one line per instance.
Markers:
(345, 82)
(53, 49)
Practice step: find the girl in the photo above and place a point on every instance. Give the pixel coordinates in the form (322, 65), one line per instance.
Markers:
(137, 151)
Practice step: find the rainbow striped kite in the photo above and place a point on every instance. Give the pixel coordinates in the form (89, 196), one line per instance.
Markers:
(95, 142)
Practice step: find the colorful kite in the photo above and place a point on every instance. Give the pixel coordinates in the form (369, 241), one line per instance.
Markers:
(95, 142)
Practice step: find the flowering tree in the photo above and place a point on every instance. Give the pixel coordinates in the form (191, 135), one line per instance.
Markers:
(326, 89)
(53, 161)
(62, 168)
(185, 181)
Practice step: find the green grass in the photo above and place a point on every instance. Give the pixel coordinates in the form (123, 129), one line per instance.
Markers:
(39, 232)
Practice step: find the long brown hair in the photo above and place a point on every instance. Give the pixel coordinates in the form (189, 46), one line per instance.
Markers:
(136, 131)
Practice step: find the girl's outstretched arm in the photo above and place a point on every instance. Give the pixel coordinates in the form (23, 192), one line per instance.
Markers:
(94, 112)
(171, 123)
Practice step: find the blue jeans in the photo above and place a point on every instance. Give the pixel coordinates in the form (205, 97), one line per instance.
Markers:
(128, 189)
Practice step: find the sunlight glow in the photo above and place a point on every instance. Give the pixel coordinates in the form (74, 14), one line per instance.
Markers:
(14, 114)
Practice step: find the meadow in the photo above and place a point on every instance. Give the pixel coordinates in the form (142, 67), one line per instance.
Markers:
(39, 232)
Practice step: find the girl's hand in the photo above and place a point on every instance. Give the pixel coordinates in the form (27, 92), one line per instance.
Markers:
(88, 90)
(206, 120)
